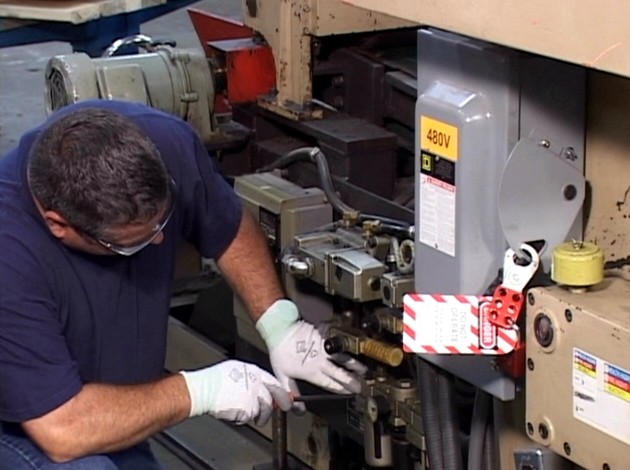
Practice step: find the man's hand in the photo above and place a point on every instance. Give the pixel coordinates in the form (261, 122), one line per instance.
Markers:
(296, 351)
(235, 391)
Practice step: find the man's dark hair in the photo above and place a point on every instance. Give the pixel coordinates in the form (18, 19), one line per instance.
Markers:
(98, 170)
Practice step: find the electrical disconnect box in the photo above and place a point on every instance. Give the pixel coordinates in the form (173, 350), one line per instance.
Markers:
(476, 102)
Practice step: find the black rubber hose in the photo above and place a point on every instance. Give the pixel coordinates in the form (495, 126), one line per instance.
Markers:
(489, 445)
(318, 157)
(478, 426)
(451, 442)
(289, 158)
(314, 155)
(427, 389)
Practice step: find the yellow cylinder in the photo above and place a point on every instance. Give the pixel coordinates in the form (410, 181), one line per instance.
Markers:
(383, 352)
(577, 264)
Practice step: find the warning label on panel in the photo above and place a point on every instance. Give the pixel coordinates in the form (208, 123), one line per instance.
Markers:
(601, 394)
(437, 203)
(439, 168)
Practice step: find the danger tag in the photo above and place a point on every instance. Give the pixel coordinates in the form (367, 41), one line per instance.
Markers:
(453, 324)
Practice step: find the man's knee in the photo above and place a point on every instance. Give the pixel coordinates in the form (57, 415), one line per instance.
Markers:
(19, 453)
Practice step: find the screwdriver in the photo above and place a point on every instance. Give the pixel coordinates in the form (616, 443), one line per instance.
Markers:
(322, 397)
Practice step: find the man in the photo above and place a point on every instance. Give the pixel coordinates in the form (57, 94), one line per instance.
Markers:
(92, 206)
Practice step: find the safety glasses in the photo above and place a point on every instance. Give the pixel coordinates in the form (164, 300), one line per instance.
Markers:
(131, 250)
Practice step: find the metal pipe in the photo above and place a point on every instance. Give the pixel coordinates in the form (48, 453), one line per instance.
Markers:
(279, 439)
(322, 397)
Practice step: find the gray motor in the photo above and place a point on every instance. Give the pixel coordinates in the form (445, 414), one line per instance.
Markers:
(175, 81)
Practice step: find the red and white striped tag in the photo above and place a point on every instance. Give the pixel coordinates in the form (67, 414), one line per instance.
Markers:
(453, 324)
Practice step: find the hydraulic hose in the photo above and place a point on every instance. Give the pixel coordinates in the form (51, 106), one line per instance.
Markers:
(315, 155)
(427, 388)
(287, 159)
(489, 446)
(478, 427)
(451, 442)
(318, 157)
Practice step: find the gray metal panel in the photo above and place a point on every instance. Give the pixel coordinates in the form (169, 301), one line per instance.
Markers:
(553, 110)
(510, 95)
(545, 210)
(488, 127)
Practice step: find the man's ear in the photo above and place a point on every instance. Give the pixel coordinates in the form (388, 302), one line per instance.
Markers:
(57, 224)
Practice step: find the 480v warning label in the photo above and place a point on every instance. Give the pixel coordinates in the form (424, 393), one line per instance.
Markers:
(439, 143)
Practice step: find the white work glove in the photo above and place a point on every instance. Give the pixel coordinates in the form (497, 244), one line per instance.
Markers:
(296, 351)
(235, 391)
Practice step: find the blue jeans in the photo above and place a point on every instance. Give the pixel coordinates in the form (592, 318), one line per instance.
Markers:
(17, 452)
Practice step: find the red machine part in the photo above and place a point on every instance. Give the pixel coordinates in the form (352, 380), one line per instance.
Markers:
(513, 363)
(234, 51)
(215, 28)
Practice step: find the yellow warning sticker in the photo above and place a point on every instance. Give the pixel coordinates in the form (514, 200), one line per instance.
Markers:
(439, 137)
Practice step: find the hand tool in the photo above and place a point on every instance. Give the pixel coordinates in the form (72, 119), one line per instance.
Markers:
(321, 397)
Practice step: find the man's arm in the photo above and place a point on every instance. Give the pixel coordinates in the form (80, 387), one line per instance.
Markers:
(249, 268)
(296, 348)
(106, 418)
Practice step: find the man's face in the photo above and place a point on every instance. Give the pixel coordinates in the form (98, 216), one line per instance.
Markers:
(124, 240)
(128, 237)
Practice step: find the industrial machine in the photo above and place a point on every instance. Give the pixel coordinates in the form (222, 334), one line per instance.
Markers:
(444, 197)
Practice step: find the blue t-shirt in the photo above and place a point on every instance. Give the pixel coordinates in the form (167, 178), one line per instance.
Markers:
(68, 318)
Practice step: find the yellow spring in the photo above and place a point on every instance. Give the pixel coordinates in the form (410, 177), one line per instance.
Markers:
(383, 352)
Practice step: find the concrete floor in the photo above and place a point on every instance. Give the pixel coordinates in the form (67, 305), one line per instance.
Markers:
(22, 107)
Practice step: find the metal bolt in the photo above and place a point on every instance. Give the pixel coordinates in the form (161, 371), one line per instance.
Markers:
(544, 143)
(568, 315)
(567, 448)
(570, 154)
(530, 363)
